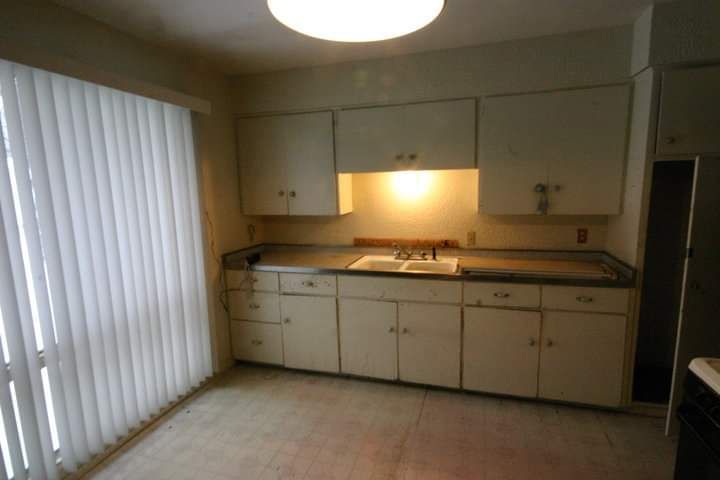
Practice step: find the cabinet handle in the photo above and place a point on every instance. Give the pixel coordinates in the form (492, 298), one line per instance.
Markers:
(254, 306)
(281, 193)
(413, 156)
(292, 193)
(532, 342)
(287, 320)
(257, 342)
(391, 330)
(670, 140)
(501, 295)
(254, 280)
(308, 283)
(584, 299)
(405, 330)
(550, 343)
(399, 156)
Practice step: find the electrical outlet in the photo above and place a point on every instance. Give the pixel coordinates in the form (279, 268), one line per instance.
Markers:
(582, 235)
(471, 239)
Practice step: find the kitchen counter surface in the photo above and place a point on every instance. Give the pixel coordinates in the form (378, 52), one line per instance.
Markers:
(592, 269)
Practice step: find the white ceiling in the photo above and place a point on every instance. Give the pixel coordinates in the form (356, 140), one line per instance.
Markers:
(241, 36)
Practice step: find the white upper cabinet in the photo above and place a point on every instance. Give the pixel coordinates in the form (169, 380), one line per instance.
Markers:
(690, 112)
(569, 143)
(422, 136)
(287, 166)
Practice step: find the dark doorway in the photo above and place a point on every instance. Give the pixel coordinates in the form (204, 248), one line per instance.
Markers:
(665, 252)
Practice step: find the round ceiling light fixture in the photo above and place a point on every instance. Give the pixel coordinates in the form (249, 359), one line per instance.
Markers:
(355, 20)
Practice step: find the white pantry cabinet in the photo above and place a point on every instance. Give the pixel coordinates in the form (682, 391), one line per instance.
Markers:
(429, 344)
(310, 333)
(570, 143)
(500, 351)
(690, 112)
(582, 357)
(368, 338)
(287, 166)
(420, 136)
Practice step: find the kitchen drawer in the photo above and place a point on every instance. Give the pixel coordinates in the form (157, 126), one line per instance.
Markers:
(255, 306)
(308, 284)
(501, 295)
(257, 342)
(246, 280)
(409, 289)
(586, 299)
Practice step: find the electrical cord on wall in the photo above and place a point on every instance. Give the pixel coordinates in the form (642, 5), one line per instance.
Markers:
(222, 297)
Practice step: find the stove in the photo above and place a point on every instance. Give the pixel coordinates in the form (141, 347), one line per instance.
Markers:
(698, 455)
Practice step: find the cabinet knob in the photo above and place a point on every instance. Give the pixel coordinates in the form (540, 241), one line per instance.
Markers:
(308, 283)
(257, 342)
(254, 306)
(501, 295)
(254, 280)
(292, 193)
(399, 156)
(549, 342)
(391, 330)
(281, 193)
(532, 342)
(287, 320)
(413, 156)
(584, 299)
(670, 140)
(405, 330)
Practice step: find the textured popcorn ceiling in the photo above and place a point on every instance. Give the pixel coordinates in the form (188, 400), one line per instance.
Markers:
(241, 36)
(447, 209)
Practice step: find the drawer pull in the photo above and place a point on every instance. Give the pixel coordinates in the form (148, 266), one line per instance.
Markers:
(550, 343)
(254, 280)
(532, 342)
(309, 284)
(584, 299)
(391, 330)
(287, 320)
(257, 342)
(254, 306)
(405, 330)
(501, 295)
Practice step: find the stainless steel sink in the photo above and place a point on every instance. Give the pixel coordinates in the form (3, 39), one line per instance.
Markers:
(388, 263)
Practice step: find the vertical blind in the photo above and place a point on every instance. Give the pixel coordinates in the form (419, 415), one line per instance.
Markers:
(103, 308)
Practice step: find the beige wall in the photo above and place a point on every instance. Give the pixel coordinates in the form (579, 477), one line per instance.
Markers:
(450, 209)
(40, 25)
(440, 205)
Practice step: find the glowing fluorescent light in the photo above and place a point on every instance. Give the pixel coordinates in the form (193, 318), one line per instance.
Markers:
(355, 20)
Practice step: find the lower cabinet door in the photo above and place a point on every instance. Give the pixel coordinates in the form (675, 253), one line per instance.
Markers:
(257, 342)
(310, 333)
(429, 344)
(368, 338)
(500, 351)
(582, 357)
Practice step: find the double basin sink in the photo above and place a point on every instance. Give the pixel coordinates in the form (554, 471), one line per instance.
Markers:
(388, 263)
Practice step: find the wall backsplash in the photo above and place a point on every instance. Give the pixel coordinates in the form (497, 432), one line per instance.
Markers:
(440, 204)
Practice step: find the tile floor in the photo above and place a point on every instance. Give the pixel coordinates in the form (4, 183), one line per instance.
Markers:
(269, 424)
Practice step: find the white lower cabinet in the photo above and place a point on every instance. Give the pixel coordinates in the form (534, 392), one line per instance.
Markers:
(368, 338)
(500, 351)
(581, 358)
(257, 342)
(310, 332)
(429, 344)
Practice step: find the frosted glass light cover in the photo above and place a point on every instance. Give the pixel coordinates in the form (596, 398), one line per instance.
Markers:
(355, 20)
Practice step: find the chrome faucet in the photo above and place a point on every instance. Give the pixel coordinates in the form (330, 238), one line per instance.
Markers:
(408, 254)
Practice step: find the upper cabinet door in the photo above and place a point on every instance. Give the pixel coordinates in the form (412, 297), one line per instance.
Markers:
(515, 140)
(423, 136)
(690, 112)
(570, 143)
(586, 174)
(312, 182)
(262, 167)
